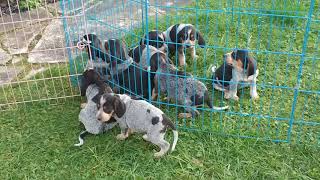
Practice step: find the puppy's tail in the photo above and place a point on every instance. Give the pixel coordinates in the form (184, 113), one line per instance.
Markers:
(81, 138)
(220, 108)
(167, 123)
(175, 139)
(208, 100)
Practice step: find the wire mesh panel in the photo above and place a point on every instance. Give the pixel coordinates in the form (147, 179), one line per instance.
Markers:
(33, 55)
(283, 36)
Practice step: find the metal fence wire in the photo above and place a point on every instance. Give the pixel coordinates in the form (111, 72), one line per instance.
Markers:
(283, 36)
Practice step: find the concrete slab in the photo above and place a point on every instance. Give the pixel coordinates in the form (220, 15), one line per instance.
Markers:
(17, 42)
(24, 19)
(7, 74)
(4, 57)
(51, 47)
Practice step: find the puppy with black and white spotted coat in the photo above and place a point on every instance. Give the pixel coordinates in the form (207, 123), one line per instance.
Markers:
(182, 88)
(178, 37)
(136, 116)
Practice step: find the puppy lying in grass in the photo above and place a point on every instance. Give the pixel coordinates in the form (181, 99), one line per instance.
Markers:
(185, 89)
(136, 116)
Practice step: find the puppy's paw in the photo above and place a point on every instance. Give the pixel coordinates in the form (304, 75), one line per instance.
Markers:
(183, 65)
(195, 57)
(83, 105)
(254, 96)
(235, 98)
(229, 96)
(185, 115)
(158, 154)
(121, 137)
(145, 137)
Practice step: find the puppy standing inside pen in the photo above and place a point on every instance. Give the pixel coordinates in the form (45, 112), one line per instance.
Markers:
(238, 67)
(178, 37)
(136, 116)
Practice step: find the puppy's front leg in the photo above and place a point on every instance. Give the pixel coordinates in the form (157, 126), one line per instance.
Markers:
(182, 57)
(190, 113)
(253, 89)
(124, 134)
(232, 94)
(83, 105)
(193, 53)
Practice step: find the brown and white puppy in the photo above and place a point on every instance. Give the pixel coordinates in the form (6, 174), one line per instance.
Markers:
(136, 116)
(238, 69)
(182, 36)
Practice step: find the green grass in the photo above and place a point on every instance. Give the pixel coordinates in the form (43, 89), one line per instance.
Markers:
(36, 142)
(37, 138)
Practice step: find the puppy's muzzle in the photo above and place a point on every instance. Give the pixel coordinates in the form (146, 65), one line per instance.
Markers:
(227, 60)
(103, 117)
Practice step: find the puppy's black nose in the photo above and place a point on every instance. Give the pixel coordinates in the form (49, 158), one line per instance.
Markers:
(99, 119)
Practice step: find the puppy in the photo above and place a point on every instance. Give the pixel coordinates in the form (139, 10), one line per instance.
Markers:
(186, 90)
(179, 37)
(140, 56)
(112, 51)
(133, 80)
(94, 47)
(90, 76)
(92, 84)
(156, 39)
(238, 67)
(136, 116)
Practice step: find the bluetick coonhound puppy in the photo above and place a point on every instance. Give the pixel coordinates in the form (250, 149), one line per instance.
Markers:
(178, 37)
(137, 116)
(92, 84)
(187, 90)
(238, 67)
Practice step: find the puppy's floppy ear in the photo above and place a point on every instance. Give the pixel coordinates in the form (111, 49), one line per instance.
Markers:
(252, 66)
(96, 98)
(83, 85)
(200, 39)
(119, 106)
(106, 46)
(124, 49)
(142, 41)
(131, 52)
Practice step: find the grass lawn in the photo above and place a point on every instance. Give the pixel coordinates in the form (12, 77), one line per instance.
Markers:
(37, 138)
(36, 142)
